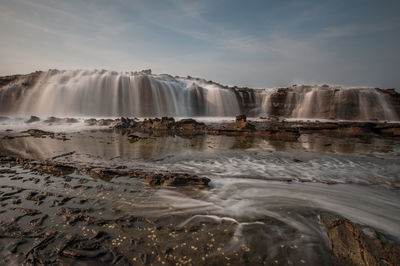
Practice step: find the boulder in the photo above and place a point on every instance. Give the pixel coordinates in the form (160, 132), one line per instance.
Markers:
(57, 120)
(32, 119)
(38, 133)
(241, 123)
(190, 124)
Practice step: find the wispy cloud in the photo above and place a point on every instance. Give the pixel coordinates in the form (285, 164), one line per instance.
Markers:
(351, 30)
(266, 43)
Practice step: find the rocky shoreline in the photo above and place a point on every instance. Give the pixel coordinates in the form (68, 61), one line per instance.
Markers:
(106, 174)
(355, 244)
(242, 126)
(34, 234)
(59, 212)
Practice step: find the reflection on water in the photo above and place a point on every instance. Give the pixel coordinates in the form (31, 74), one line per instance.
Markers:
(314, 158)
(110, 144)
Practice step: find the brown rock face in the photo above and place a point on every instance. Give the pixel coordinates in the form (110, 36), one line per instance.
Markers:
(353, 244)
(241, 123)
(18, 86)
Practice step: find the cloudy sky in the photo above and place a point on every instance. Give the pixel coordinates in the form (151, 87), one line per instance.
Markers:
(262, 43)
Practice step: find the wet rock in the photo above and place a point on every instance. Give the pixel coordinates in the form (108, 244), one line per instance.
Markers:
(91, 121)
(77, 253)
(106, 174)
(241, 123)
(16, 201)
(126, 123)
(7, 171)
(32, 119)
(165, 123)
(35, 196)
(38, 221)
(57, 120)
(353, 131)
(57, 169)
(133, 138)
(28, 212)
(273, 118)
(63, 155)
(190, 125)
(37, 133)
(354, 244)
(175, 179)
(394, 132)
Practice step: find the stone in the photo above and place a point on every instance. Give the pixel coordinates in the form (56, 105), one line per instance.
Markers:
(57, 120)
(354, 244)
(38, 133)
(241, 123)
(32, 119)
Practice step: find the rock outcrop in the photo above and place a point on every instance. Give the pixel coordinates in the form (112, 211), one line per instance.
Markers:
(32, 119)
(354, 244)
(168, 124)
(241, 124)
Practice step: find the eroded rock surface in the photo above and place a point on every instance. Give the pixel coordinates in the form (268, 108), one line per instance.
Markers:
(354, 244)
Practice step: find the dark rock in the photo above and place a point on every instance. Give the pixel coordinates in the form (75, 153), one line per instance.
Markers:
(35, 196)
(106, 174)
(125, 123)
(190, 125)
(37, 133)
(91, 121)
(133, 138)
(33, 119)
(27, 212)
(57, 120)
(57, 169)
(175, 179)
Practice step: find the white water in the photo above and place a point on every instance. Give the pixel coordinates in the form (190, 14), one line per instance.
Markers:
(111, 94)
(341, 103)
(106, 93)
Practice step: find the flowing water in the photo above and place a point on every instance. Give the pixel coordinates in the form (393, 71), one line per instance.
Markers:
(110, 94)
(251, 176)
(265, 194)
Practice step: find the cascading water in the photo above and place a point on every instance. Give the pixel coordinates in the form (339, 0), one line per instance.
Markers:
(105, 93)
(111, 94)
(345, 104)
(333, 103)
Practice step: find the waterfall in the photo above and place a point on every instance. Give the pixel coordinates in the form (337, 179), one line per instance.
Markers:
(102, 93)
(323, 102)
(107, 93)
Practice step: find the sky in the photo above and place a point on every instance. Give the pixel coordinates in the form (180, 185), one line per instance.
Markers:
(260, 44)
